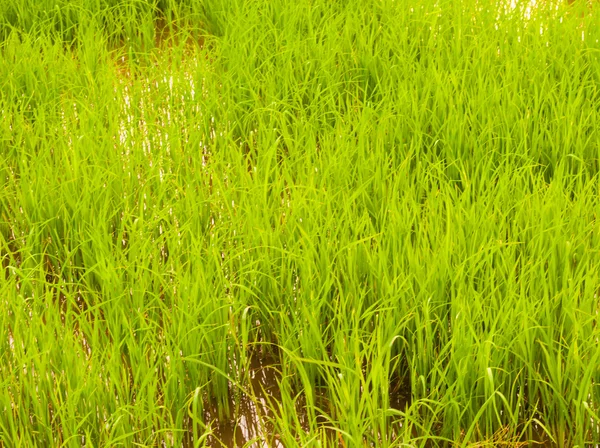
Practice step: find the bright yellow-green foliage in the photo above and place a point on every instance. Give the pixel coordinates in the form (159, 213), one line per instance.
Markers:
(379, 195)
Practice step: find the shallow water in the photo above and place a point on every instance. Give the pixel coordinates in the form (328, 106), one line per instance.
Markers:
(251, 423)
(253, 414)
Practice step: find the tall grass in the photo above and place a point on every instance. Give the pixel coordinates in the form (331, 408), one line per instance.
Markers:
(385, 197)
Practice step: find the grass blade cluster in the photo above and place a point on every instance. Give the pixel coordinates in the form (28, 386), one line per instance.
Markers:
(394, 203)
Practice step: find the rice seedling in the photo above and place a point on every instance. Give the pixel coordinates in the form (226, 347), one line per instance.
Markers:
(360, 223)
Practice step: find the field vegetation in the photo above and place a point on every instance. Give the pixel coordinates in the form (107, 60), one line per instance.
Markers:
(359, 223)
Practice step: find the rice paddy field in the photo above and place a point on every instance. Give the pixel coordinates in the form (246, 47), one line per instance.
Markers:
(319, 223)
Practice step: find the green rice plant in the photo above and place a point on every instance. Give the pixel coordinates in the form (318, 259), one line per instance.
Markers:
(394, 204)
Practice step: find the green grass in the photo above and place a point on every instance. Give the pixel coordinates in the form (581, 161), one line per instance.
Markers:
(380, 195)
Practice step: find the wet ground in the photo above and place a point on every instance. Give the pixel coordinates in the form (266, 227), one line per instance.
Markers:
(255, 409)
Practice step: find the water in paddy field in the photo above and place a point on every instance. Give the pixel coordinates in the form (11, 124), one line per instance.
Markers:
(254, 411)
(175, 94)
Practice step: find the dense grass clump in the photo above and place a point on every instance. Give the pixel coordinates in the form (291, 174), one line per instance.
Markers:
(388, 209)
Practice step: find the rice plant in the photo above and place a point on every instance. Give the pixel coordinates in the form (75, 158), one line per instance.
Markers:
(310, 223)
